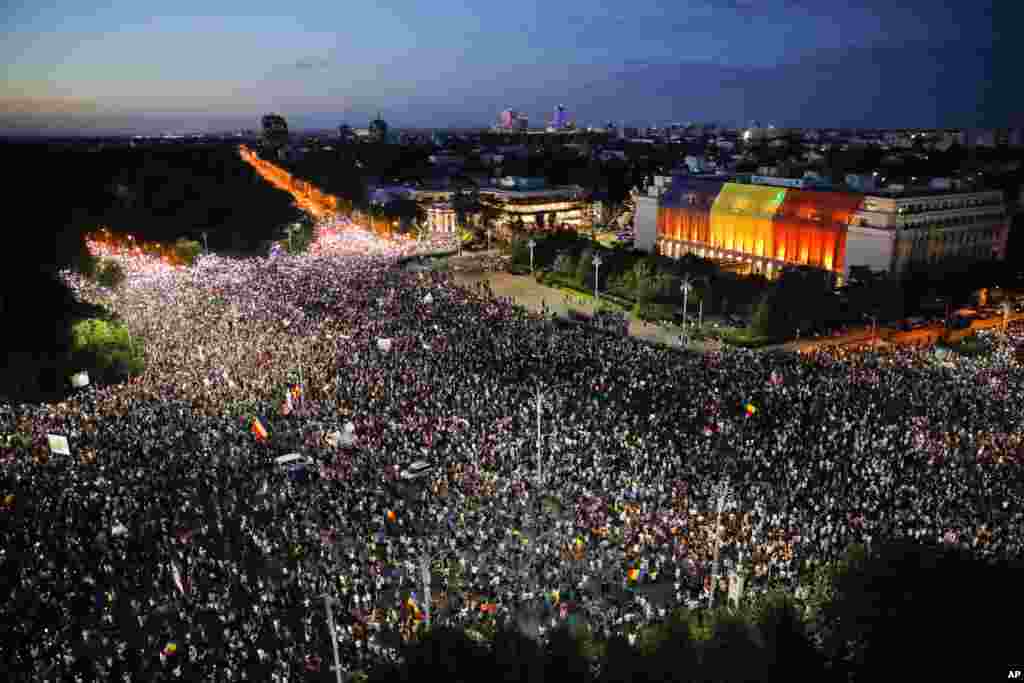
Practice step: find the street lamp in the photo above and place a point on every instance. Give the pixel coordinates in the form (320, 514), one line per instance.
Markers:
(328, 600)
(874, 324)
(206, 244)
(597, 265)
(685, 289)
(415, 472)
(722, 492)
(531, 244)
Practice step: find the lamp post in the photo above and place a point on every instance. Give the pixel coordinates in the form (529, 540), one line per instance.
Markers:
(328, 600)
(531, 244)
(722, 492)
(597, 265)
(489, 231)
(206, 245)
(416, 472)
(290, 230)
(874, 325)
(302, 384)
(540, 460)
(685, 289)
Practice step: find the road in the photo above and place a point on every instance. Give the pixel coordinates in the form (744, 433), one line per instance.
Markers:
(308, 198)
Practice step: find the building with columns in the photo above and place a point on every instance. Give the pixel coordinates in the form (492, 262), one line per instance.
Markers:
(441, 219)
(518, 200)
(765, 228)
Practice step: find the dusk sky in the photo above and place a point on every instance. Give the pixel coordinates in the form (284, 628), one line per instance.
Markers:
(143, 67)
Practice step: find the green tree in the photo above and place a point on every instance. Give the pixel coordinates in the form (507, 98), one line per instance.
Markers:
(899, 602)
(644, 281)
(565, 263)
(187, 250)
(736, 651)
(585, 268)
(110, 273)
(565, 659)
(106, 349)
(799, 300)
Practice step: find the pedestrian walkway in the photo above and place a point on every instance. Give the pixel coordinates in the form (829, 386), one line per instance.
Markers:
(525, 291)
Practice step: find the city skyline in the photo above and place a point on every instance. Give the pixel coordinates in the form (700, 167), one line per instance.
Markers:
(865, 64)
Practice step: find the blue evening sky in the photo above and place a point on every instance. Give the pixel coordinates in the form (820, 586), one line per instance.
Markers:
(148, 66)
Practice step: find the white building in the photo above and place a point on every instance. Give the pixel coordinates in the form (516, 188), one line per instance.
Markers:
(645, 217)
(895, 231)
(441, 219)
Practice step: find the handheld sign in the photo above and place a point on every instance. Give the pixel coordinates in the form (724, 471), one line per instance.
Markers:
(428, 299)
(384, 344)
(58, 444)
(80, 379)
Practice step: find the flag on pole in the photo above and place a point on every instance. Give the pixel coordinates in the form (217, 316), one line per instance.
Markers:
(287, 406)
(751, 409)
(414, 608)
(258, 430)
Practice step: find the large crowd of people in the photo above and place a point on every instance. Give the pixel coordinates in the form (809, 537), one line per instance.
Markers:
(168, 545)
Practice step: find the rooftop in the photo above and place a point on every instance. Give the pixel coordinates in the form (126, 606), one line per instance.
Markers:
(909, 193)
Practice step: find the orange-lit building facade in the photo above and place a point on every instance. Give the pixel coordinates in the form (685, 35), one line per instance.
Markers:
(766, 227)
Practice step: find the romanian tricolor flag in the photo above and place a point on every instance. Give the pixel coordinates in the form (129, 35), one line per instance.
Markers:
(258, 430)
(751, 409)
(297, 392)
(391, 516)
(415, 609)
(633, 574)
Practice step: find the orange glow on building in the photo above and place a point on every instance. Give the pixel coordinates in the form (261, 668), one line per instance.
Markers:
(813, 224)
(806, 227)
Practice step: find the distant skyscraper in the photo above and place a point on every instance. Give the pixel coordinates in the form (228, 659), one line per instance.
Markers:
(512, 120)
(275, 131)
(561, 119)
(378, 129)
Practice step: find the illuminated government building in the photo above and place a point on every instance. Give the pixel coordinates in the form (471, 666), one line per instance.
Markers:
(519, 200)
(762, 225)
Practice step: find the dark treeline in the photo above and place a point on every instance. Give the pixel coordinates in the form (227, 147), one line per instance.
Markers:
(906, 607)
(157, 193)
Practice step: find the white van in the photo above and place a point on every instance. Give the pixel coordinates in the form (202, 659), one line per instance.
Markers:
(293, 459)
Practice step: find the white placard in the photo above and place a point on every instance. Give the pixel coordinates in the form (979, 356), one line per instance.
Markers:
(80, 379)
(384, 344)
(428, 299)
(58, 444)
